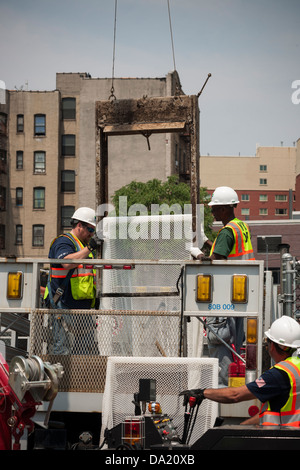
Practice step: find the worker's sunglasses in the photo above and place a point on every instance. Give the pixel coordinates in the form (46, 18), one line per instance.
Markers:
(89, 229)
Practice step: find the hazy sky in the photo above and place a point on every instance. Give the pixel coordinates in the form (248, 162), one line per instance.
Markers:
(251, 48)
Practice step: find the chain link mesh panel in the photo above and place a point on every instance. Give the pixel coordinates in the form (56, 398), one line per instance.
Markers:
(81, 341)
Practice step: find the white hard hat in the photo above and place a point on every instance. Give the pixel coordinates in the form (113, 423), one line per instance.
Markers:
(285, 332)
(85, 214)
(224, 196)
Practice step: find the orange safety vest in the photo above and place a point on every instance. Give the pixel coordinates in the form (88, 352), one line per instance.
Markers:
(242, 248)
(289, 415)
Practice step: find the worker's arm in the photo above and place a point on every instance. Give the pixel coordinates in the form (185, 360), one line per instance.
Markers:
(252, 421)
(224, 244)
(229, 394)
(215, 256)
(208, 243)
(82, 254)
(200, 256)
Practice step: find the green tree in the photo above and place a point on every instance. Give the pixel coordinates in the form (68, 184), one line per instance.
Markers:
(171, 193)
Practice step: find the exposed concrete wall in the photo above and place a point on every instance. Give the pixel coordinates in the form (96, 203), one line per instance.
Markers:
(123, 168)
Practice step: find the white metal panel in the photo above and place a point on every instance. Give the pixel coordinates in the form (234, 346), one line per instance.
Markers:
(28, 286)
(221, 304)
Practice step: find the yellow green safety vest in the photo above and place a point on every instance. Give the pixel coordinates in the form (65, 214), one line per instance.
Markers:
(289, 415)
(242, 248)
(83, 278)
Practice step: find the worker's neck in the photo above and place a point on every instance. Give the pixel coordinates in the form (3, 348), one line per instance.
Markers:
(75, 233)
(228, 217)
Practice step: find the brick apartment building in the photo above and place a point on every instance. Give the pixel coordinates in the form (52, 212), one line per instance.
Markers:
(265, 182)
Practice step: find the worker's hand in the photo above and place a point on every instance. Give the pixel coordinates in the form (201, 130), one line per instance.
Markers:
(195, 252)
(94, 243)
(198, 393)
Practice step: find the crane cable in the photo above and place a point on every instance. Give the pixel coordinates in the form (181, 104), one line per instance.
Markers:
(171, 32)
(112, 95)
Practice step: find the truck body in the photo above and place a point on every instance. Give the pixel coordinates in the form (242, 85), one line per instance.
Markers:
(151, 321)
(83, 385)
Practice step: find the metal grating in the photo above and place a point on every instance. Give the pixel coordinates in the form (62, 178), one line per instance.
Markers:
(81, 340)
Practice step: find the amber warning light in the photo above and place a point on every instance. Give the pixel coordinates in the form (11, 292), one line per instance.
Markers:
(204, 288)
(239, 289)
(14, 285)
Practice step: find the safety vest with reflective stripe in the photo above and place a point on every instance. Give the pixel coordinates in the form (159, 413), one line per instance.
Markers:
(83, 278)
(242, 248)
(289, 415)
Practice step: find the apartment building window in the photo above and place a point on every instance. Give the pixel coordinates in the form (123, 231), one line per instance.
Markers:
(20, 123)
(280, 197)
(39, 198)
(69, 108)
(263, 168)
(40, 124)
(263, 211)
(263, 197)
(2, 236)
(39, 162)
(66, 214)
(38, 235)
(245, 212)
(68, 145)
(263, 181)
(3, 123)
(3, 156)
(2, 198)
(245, 197)
(68, 181)
(19, 196)
(19, 234)
(3, 161)
(19, 160)
(280, 211)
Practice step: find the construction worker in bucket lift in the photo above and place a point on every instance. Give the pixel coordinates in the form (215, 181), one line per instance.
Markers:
(233, 242)
(278, 389)
(72, 286)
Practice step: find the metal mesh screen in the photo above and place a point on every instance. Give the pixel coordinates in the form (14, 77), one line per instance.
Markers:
(172, 375)
(88, 337)
(165, 237)
(145, 238)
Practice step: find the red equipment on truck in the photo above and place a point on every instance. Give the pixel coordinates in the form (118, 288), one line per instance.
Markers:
(24, 385)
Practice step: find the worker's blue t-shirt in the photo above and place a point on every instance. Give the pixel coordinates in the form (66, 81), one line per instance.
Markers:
(62, 247)
(272, 386)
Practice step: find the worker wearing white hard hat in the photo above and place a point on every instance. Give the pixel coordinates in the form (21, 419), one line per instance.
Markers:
(72, 286)
(85, 215)
(233, 242)
(285, 332)
(278, 388)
